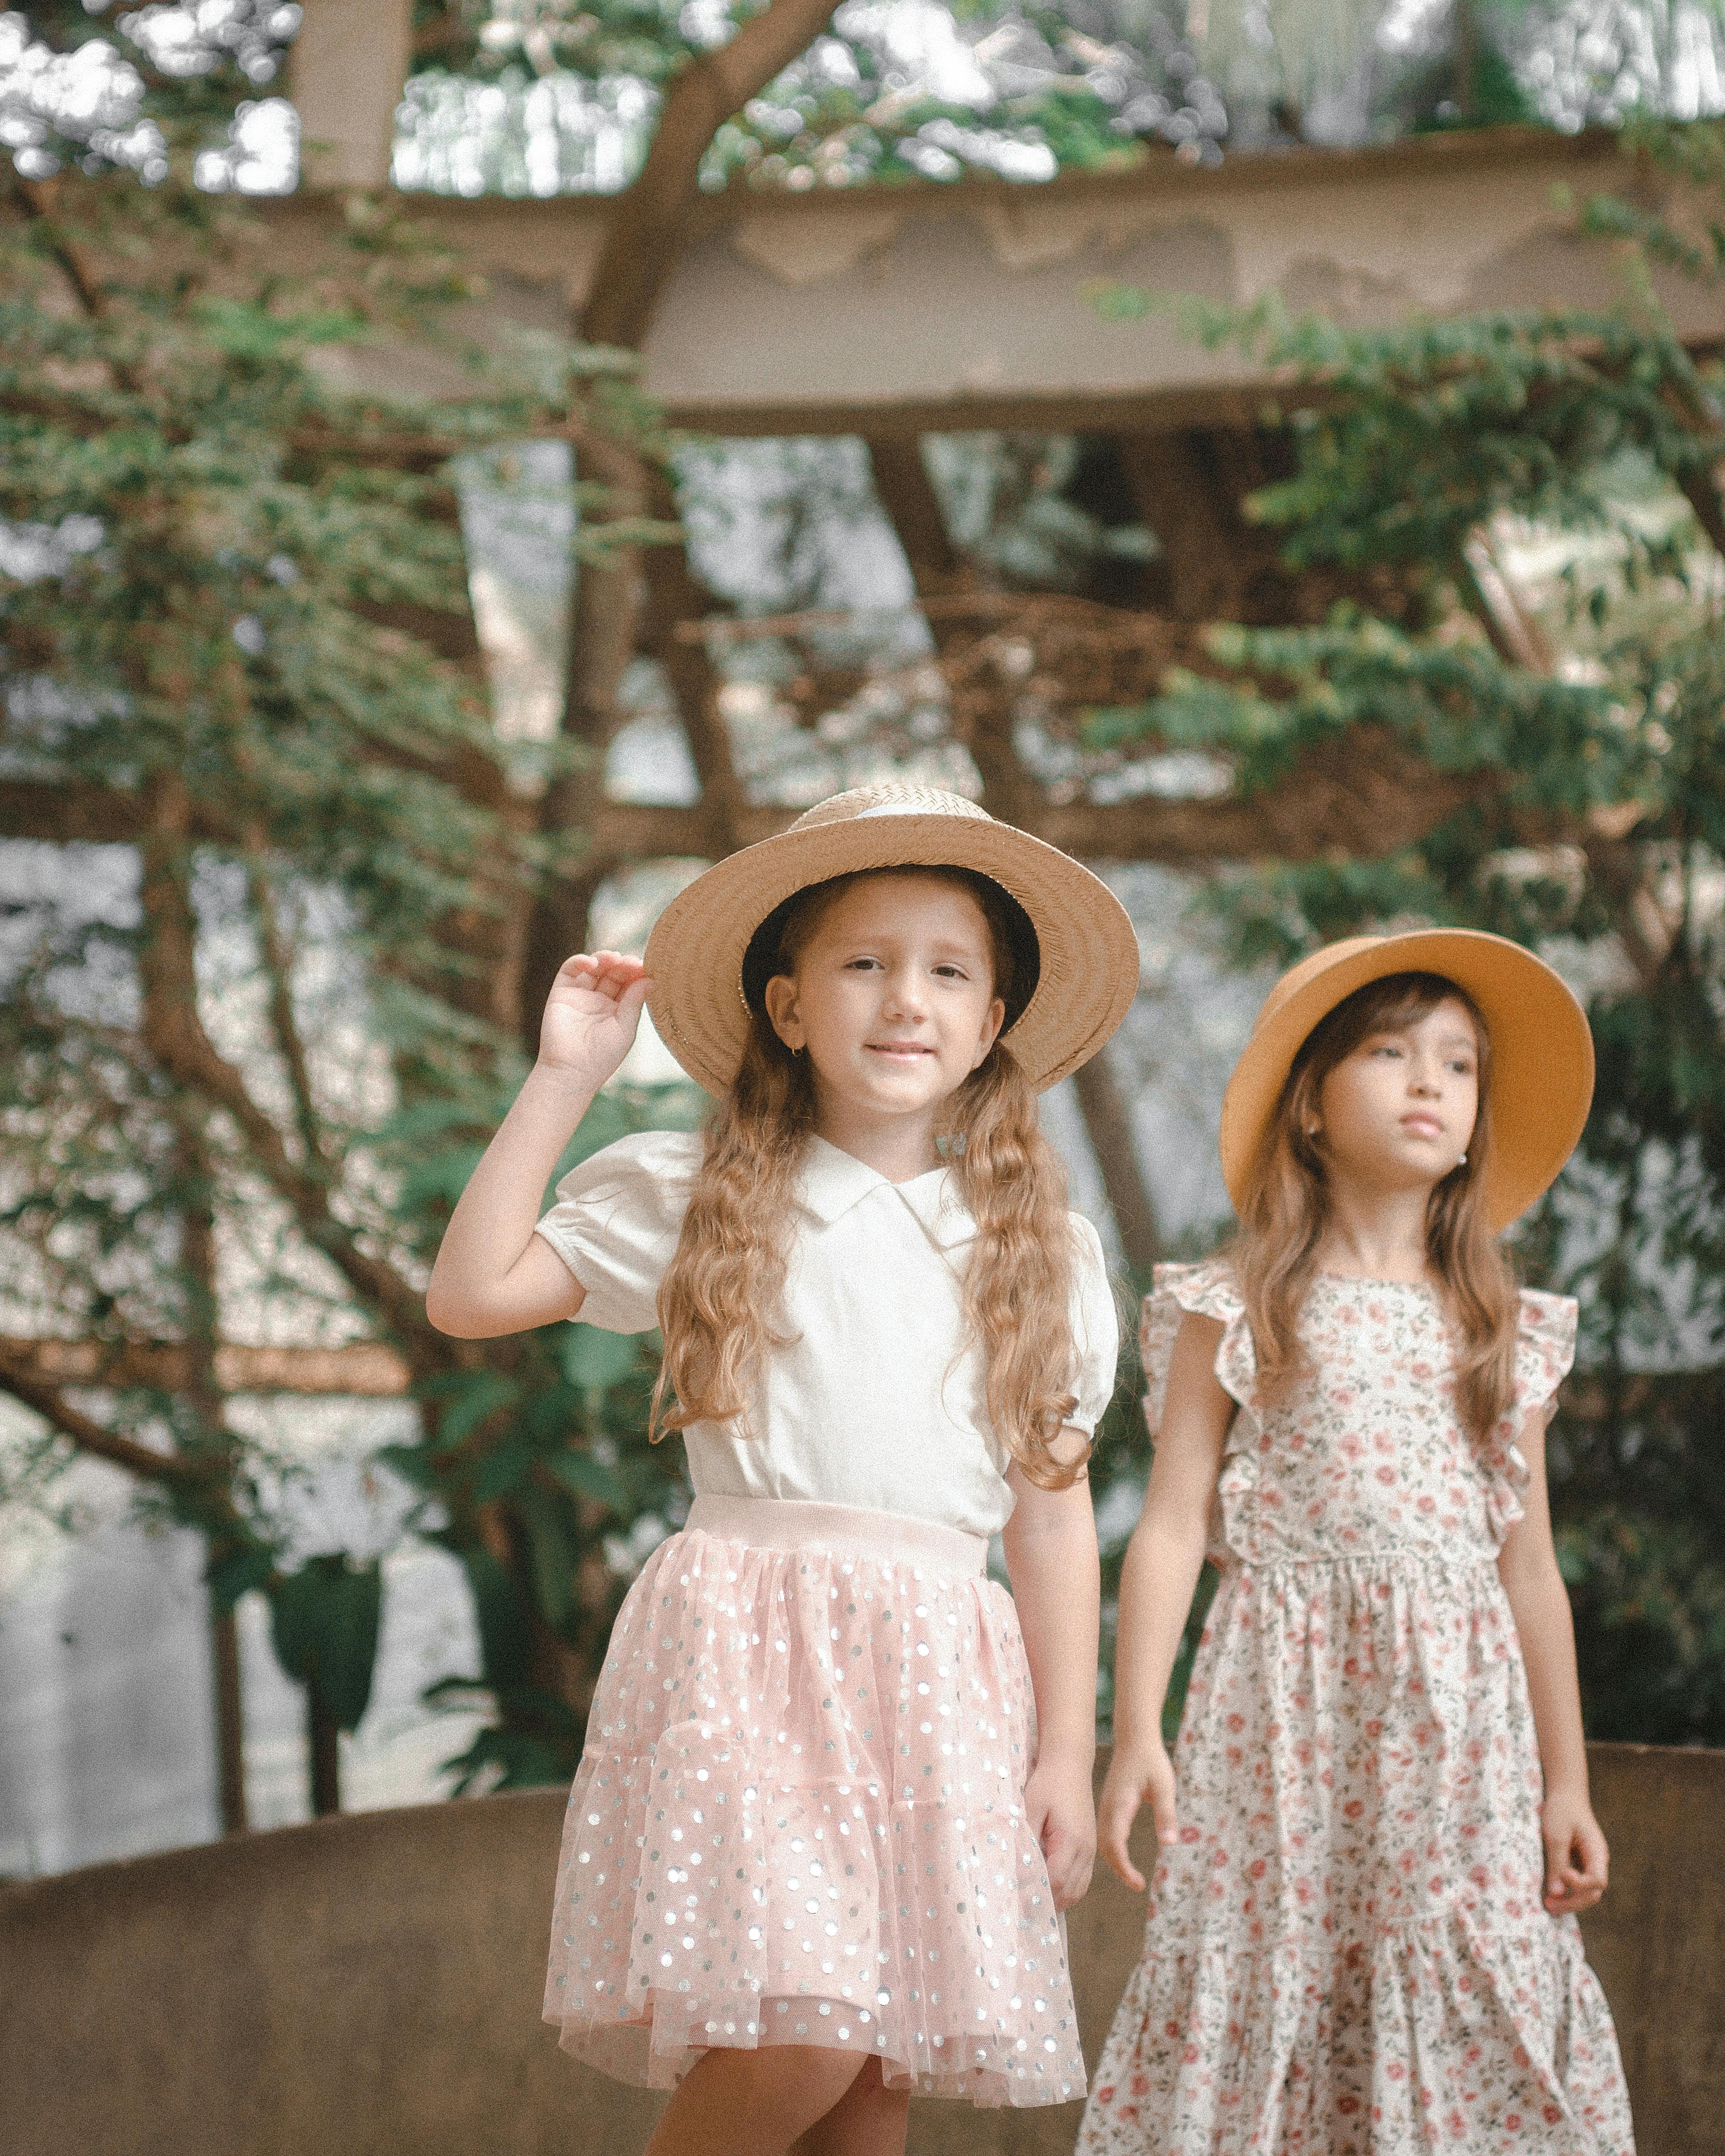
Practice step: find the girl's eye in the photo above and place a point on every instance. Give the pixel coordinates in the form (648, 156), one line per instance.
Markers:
(952, 972)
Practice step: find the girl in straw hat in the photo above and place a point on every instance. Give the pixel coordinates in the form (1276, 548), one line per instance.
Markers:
(836, 1787)
(1371, 1850)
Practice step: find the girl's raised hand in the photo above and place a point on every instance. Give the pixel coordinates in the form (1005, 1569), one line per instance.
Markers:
(1143, 1775)
(592, 1014)
(1576, 1857)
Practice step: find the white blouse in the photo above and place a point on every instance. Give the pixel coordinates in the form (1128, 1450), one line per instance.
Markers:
(870, 1404)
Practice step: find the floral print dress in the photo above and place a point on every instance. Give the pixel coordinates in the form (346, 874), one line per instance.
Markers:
(1347, 1950)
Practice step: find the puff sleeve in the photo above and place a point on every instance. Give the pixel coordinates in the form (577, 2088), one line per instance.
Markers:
(1208, 1289)
(617, 1221)
(1095, 1328)
(1545, 1352)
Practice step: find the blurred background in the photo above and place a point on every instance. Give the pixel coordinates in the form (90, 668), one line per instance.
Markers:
(464, 467)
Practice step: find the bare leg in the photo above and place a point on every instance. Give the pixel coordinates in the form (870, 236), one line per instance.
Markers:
(868, 2120)
(753, 2103)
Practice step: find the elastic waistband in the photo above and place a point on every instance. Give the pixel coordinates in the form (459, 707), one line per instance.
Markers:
(1398, 1556)
(788, 1523)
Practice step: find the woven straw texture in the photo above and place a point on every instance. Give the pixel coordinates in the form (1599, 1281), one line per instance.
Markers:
(1542, 1081)
(1089, 951)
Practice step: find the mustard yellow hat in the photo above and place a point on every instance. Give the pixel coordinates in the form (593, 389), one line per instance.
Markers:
(1085, 964)
(1542, 1081)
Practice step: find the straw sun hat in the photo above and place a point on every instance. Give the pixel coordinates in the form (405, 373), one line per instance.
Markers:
(1076, 946)
(1542, 1053)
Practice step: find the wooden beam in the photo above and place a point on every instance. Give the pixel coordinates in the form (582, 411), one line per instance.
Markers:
(887, 310)
(1367, 795)
(365, 1370)
(347, 69)
(1189, 484)
(913, 509)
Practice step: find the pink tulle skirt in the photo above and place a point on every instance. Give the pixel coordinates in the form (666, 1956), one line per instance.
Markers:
(799, 1815)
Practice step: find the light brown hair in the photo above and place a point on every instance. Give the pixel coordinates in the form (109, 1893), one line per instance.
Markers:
(717, 1300)
(1288, 1202)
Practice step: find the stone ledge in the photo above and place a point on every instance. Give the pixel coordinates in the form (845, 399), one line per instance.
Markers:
(369, 1986)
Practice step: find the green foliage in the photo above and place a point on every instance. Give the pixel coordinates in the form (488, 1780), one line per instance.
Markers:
(1640, 1533)
(324, 1620)
(225, 647)
(1580, 807)
(1051, 89)
(1428, 432)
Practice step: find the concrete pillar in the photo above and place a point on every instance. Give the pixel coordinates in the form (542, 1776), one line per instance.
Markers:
(347, 69)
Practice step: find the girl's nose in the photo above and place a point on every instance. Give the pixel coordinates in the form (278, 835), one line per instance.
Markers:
(904, 992)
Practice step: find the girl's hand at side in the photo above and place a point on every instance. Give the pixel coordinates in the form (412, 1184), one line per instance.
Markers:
(1575, 1852)
(1576, 1860)
(1062, 1814)
(1143, 1776)
(592, 1015)
(1051, 1546)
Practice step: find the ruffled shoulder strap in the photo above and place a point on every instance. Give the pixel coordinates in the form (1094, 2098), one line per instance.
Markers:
(1545, 1350)
(1208, 1289)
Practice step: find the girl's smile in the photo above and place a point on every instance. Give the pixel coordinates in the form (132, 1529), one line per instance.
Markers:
(893, 1003)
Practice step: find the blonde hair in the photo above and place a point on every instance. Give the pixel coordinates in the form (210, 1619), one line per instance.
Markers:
(1286, 1209)
(719, 1296)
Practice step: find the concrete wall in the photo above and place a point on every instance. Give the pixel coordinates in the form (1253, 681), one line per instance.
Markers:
(369, 1986)
(913, 309)
(346, 69)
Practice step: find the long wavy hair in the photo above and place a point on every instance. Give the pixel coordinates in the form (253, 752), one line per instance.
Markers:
(721, 1298)
(1287, 1209)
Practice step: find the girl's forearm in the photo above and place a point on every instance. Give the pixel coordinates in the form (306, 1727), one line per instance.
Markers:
(1541, 1606)
(492, 1225)
(1157, 1581)
(1056, 1583)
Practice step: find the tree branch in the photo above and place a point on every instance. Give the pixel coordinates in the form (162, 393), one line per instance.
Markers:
(1702, 492)
(83, 1430)
(362, 1369)
(175, 1035)
(673, 598)
(1509, 625)
(292, 1048)
(603, 614)
(1107, 1120)
(906, 494)
(38, 197)
(645, 233)
(1617, 873)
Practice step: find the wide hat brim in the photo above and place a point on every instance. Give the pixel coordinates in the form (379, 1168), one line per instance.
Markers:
(1089, 950)
(1542, 1081)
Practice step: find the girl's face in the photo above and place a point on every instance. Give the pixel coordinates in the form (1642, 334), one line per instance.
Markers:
(1398, 1112)
(892, 998)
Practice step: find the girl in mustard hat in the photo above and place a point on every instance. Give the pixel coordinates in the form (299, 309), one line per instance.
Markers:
(836, 1787)
(1377, 1833)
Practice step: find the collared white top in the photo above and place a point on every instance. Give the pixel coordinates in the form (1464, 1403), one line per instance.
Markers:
(870, 1403)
